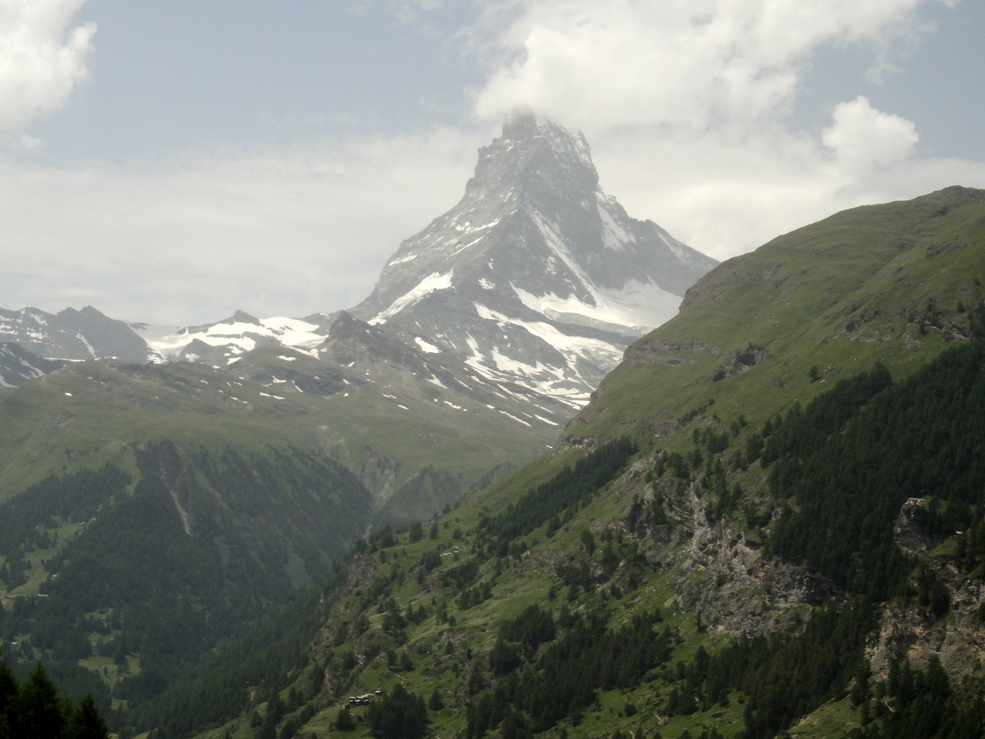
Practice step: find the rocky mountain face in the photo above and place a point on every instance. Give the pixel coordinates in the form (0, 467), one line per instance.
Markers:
(536, 276)
(72, 334)
(17, 365)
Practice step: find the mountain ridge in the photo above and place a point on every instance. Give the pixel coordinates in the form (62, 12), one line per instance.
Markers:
(536, 278)
(920, 255)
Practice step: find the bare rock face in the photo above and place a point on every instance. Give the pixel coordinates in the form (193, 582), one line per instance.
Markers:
(18, 365)
(906, 633)
(736, 590)
(909, 632)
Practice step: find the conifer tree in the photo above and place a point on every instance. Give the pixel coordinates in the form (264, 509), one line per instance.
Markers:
(86, 723)
(39, 714)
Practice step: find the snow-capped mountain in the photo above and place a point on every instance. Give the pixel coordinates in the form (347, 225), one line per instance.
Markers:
(224, 342)
(18, 365)
(72, 334)
(536, 276)
(358, 358)
(527, 291)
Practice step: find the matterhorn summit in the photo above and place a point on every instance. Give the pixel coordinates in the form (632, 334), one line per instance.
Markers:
(537, 276)
(520, 299)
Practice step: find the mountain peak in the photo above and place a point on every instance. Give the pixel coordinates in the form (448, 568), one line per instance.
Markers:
(536, 276)
(241, 316)
(71, 334)
(520, 121)
(524, 124)
(534, 157)
(346, 326)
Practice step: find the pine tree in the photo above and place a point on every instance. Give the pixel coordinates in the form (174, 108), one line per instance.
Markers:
(39, 714)
(435, 703)
(86, 723)
(344, 722)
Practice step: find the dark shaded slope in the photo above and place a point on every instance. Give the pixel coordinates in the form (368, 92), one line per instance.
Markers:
(142, 583)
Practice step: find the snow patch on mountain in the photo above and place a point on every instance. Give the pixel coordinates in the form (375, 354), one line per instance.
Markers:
(552, 237)
(237, 335)
(614, 236)
(565, 383)
(425, 346)
(17, 365)
(82, 339)
(630, 310)
(424, 288)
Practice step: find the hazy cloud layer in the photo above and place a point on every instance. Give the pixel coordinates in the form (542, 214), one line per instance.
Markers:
(42, 59)
(282, 232)
(687, 106)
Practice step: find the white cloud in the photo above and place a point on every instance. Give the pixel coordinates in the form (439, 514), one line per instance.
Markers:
(694, 64)
(278, 232)
(726, 199)
(686, 105)
(863, 136)
(41, 59)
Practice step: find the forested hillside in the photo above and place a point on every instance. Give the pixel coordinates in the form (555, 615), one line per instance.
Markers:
(150, 513)
(768, 522)
(921, 440)
(120, 585)
(557, 615)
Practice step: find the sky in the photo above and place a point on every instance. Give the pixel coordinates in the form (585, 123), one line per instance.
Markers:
(172, 161)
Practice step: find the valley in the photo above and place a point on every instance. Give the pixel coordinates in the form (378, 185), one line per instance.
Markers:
(724, 542)
(494, 501)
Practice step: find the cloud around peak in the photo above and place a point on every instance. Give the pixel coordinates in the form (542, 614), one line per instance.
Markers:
(691, 107)
(691, 65)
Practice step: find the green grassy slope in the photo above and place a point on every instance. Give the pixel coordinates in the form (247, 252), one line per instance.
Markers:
(89, 413)
(891, 283)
